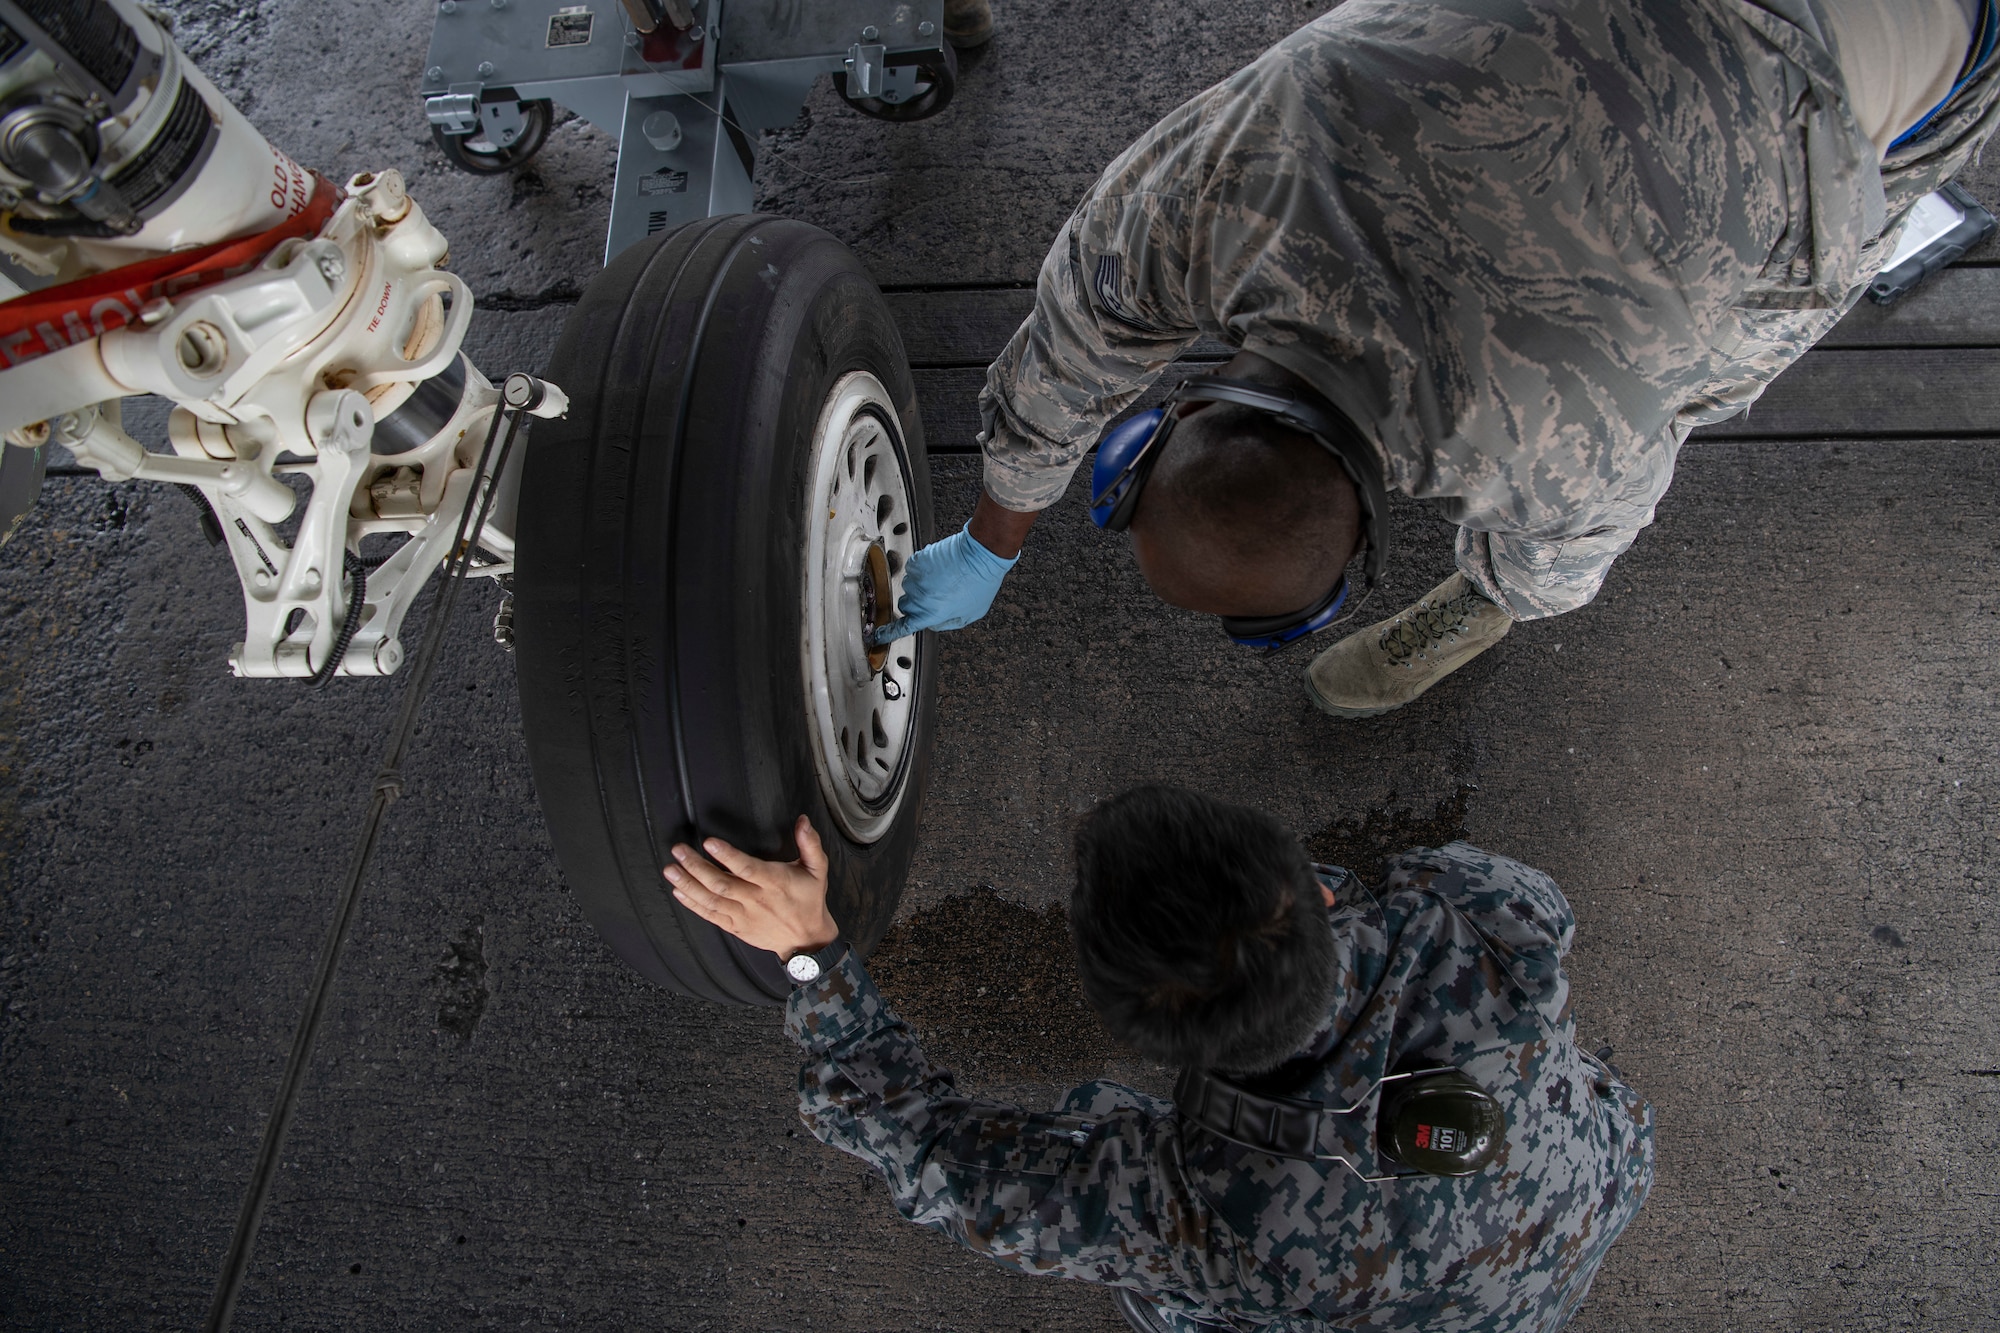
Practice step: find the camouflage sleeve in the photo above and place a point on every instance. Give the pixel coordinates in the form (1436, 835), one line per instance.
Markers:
(1111, 313)
(1095, 1195)
(1515, 907)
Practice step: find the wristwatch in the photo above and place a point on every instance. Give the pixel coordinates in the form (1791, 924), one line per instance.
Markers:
(803, 968)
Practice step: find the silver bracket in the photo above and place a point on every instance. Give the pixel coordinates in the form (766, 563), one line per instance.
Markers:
(503, 122)
(866, 66)
(685, 167)
(899, 84)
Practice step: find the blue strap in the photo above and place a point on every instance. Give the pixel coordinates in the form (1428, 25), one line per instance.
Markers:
(1977, 57)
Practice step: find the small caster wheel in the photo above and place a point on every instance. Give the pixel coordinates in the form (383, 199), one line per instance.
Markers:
(509, 134)
(919, 86)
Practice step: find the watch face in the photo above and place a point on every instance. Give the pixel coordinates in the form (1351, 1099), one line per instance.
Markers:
(802, 967)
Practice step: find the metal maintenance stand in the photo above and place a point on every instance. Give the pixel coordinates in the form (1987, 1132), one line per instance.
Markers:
(686, 85)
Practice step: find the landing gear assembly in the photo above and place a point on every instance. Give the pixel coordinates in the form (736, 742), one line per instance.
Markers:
(705, 528)
(709, 535)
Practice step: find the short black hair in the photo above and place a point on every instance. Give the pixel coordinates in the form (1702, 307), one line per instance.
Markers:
(1201, 937)
(1241, 490)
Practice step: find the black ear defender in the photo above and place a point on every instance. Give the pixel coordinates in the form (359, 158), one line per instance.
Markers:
(1127, 454)
(1431, 1120)
(1439, 1122)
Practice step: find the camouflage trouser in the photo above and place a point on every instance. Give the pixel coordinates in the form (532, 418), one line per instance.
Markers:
(1807, 287)
(1780, 319)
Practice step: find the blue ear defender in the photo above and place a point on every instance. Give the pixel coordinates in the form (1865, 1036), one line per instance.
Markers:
(1127, 453)
(1115, 477)
(1277, 631)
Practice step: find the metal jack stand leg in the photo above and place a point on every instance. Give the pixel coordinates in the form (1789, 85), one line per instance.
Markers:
(686, 85)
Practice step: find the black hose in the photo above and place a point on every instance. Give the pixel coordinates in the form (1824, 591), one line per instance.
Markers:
(211, 523)
(358, 571)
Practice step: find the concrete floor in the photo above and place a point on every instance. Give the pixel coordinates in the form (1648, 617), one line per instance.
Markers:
(1763, 764)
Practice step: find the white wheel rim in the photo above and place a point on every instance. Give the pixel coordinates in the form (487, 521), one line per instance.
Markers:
(862, 719)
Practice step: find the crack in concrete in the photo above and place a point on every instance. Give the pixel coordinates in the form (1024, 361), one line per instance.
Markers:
(508, 303)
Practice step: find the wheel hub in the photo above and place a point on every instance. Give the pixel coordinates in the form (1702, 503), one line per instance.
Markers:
(862, 695)
(878, 604)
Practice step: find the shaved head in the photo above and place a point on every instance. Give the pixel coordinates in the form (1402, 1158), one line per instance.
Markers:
(1243, 517)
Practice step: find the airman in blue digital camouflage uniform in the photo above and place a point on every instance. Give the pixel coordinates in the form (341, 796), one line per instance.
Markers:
(1521, 248)
(1206, 941)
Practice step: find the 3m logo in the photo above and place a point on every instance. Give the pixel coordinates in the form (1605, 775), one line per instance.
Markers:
(1441, 1138)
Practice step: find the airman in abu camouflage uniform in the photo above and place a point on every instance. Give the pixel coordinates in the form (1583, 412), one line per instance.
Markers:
(1525, 246)
(1453, 957)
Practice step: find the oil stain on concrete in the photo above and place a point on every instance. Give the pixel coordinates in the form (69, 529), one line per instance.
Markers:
(1359, 842)
(990, 988)
(461, 978)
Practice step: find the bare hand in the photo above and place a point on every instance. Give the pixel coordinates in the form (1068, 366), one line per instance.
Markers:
(775, 905)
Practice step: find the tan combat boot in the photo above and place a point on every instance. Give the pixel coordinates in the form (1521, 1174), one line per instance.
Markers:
(968, 23)
(1393, 661)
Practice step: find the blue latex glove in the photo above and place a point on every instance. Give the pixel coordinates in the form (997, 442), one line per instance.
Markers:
(947, 585)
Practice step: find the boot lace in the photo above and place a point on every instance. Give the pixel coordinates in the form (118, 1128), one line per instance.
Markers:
(1426, 628)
